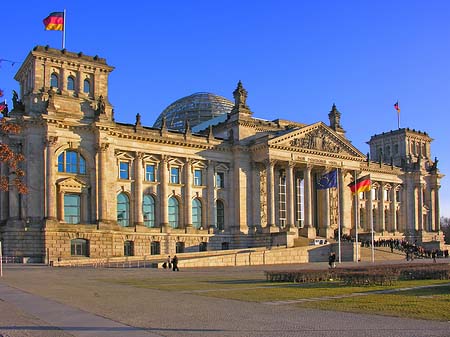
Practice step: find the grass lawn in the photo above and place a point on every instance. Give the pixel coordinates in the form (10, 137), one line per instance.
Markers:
(427, 303)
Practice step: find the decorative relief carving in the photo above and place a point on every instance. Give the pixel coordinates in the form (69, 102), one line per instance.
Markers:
(316, 140)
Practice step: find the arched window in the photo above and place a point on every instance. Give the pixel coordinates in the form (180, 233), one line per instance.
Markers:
(70, 83)
(79, 247)
(220, 215)
(72, 208)
(148, 209)
(123, 210)
(174, 212)
(196, 213)
(71, 162)
(86, 86)
(54, 82)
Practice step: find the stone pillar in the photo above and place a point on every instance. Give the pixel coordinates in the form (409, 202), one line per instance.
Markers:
(432, 214)
(270, 164)
(393, 210)
(51, 177)
(421, 226)
(188, 192)
(60, 213)
(290, 198)
(210, 186)
(308, 230)
(163, 192)
(325, 228)
(84, 216)
(381, 222)
(437, 224)
(102, 182)
(138, 188)
(345, 209)
(370, 213)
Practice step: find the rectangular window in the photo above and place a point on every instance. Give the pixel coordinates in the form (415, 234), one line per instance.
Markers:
(150, 172)
(175, 175)
(72, 209)
(299, 201)
(198, 177)
(398, 196)
(124, 168)
(220, 180)
(155, 248)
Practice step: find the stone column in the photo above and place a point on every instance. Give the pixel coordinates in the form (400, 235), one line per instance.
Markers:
(345, 209)
(381, 222)
(102, 182)
(437, 224)
(138, 188)
(290, 198)
(370, 213)
(163, 192)
(432, 220)
(308, 230)
(188, 192)
(51, 177)
(84, 215)
(210, 192)
(393, 210)
(421, 226)
(270, 164)
(60, 213)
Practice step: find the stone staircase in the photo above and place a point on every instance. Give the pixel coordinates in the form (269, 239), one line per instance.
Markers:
(381, 254)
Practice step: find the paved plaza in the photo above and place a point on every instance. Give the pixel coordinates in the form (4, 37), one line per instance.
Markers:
(61, 302)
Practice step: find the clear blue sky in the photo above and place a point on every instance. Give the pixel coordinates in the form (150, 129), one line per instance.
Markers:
(295, 58)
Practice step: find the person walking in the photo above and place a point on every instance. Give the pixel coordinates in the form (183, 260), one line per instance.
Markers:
(175, 263)
(433, 255)
(169, 262)
(332, 260)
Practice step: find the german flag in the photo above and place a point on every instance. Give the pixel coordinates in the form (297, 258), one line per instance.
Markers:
(362, 184)
(397, 107)
(55, 21)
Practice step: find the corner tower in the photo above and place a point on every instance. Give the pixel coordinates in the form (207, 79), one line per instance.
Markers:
(54, 81)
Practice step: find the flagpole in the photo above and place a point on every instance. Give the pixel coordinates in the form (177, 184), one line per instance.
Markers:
(398, 116)
(356, 221)
(64, 31)
(338, 214)
(371, 223)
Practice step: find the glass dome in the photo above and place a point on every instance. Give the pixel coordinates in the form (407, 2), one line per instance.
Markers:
(196, 108)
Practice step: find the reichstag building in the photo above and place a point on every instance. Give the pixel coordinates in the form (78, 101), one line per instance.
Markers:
(208, 175)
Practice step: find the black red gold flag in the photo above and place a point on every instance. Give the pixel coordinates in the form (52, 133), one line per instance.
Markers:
(55, 21)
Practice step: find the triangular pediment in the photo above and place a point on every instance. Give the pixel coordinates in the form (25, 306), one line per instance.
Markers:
(318, 139)
(71, 185)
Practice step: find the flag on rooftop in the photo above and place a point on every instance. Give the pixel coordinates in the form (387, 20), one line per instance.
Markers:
(397, 107)
(55, 21)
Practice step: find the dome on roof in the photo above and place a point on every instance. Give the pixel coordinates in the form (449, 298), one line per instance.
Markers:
(196, 108)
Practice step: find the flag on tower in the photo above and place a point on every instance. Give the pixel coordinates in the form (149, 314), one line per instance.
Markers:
(397, 107)
(55, 21)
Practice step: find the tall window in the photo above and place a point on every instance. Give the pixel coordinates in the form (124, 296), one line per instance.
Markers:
(179, 247)
(86, 86)
(282, 199)
(299, 201)
(124, 170)
(79, 247)
(220, 215)
(220, 180)
(72, 208)
(149, 211)
(70, 83)
(398, 196)
(71, 162)
(54, 80)
(374, 217)
(196, 213)
(150, 172)
(123, 210)
(174, 212)
(386, 218)
(362, 217)
(175, 175)
(197, 177)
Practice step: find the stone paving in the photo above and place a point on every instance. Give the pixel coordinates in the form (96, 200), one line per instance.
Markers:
(44, 301)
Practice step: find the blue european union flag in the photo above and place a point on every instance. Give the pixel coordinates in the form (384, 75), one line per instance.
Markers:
(328, 180)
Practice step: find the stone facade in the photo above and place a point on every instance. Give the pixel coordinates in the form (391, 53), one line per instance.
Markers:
(101, 188)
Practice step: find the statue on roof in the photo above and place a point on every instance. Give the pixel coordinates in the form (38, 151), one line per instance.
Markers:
(101, 106)
(240, 96)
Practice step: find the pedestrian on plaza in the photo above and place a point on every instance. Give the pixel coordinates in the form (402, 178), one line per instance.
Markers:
(169, 262)
(332, 260)
(433, 255)
(175, 263)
